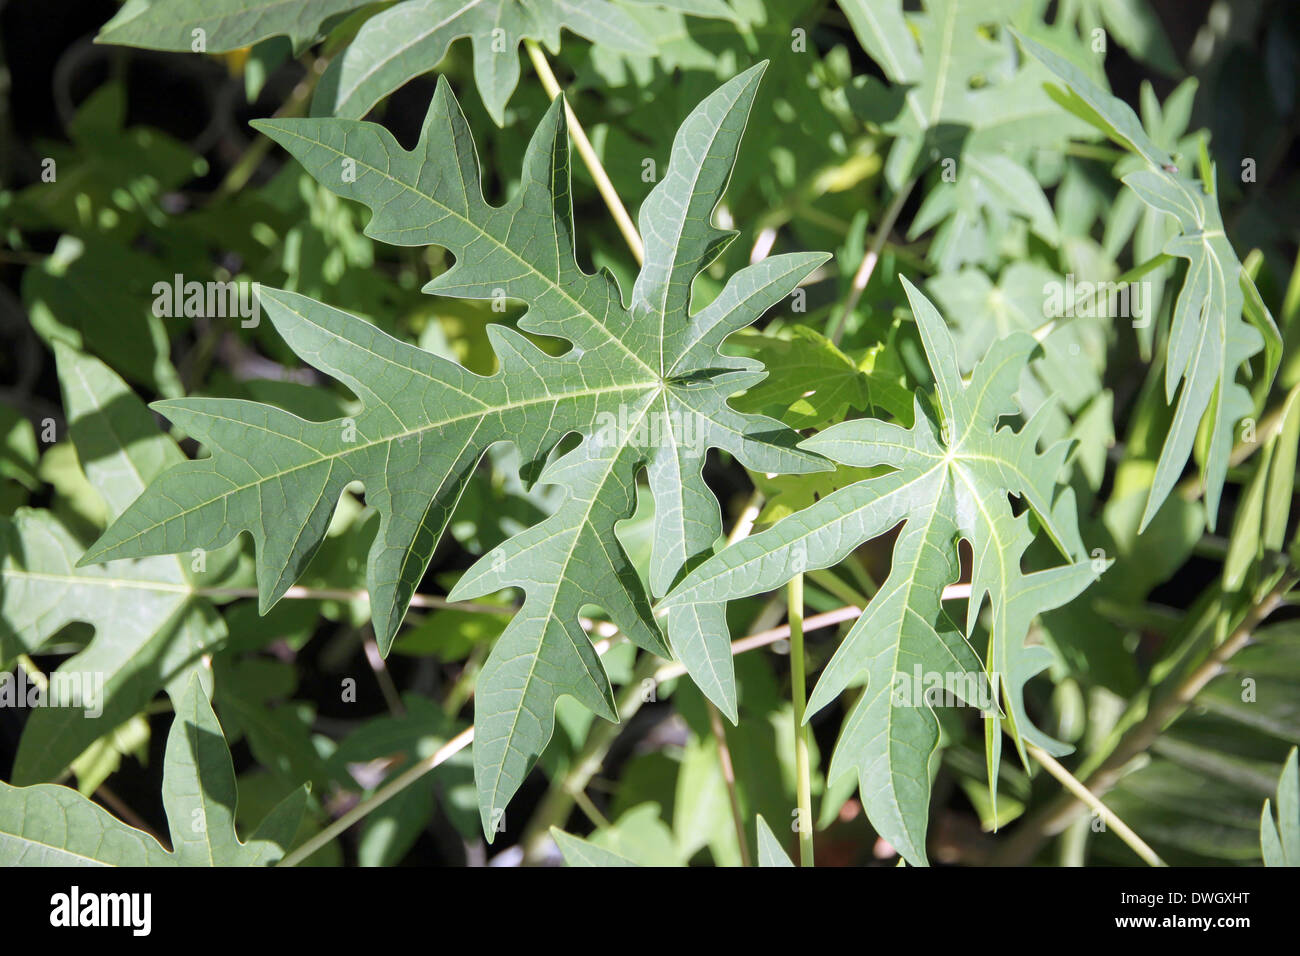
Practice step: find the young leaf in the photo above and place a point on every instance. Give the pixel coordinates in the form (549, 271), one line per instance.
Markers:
(951, 481)
(812, 383)
(645, 386)
(48, 825)
(1280, 841)
(151, 629)
(1209, 340)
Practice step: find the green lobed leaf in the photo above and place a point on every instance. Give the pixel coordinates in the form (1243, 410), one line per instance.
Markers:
(580, 852)
(644, 386)
(217, 26)
(958, 99)
(950, 481)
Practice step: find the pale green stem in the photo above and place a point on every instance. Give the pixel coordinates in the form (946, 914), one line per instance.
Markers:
(1137, 272)
(240, 173)
(799, 697)
(380, 797)
(298, 592)
(1072, 784)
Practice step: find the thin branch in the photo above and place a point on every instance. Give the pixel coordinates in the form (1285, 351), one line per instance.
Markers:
(116, 804)
(729, 778)
(1192, 488)
(296, 105)
(1071, 783)
(1127, 279)
(799, 698)
(465, 737)
(385, 680)
(381, 796)
(565, 788)
(297, 592)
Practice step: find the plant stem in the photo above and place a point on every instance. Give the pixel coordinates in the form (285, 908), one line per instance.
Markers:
(1122, 829)
(588, 154)
(836, 587)
(799, 697)
(1191, 487)
(1127, 279)
(385, 680)
(869, 260)
(729, 778)
(118, 806)
(342, 594)
(663, 673)
(590, 809)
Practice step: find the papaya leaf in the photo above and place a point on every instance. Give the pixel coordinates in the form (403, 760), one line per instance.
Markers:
(644, 387)
(950, 481)
(812, 382)
(959, 100)
(1212, 336)
(390, 48)
(48, 825)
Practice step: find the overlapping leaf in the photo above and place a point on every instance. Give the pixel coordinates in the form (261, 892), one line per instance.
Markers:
(392, 47)
(151, 628)
(48, 825)
(1210, 338)
(216, 26)
(644, 386)
(950, 481)
(411, 38)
